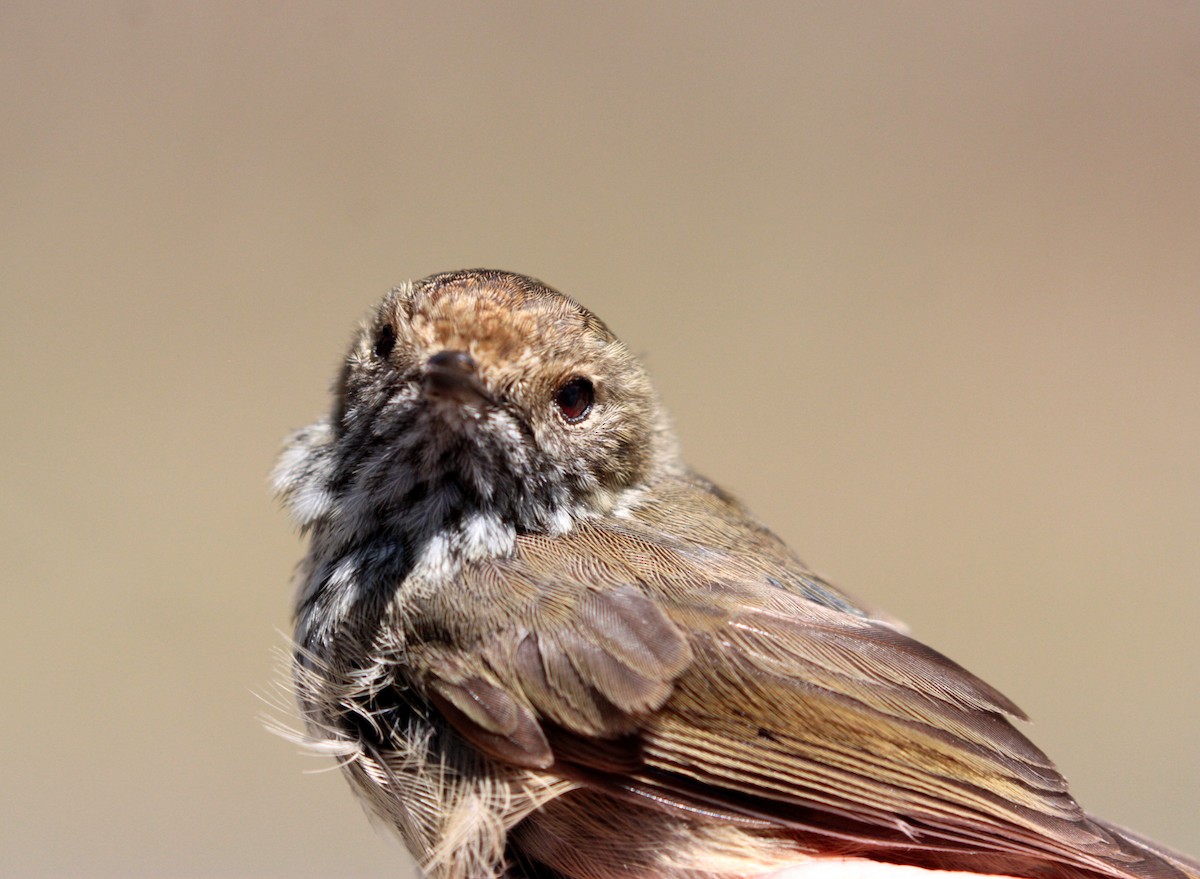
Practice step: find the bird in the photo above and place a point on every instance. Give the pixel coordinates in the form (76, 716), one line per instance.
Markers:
(540, 645)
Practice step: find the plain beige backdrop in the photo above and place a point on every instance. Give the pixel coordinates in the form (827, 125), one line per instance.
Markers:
(920, 282)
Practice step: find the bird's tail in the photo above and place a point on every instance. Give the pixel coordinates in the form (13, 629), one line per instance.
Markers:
(1156, 860)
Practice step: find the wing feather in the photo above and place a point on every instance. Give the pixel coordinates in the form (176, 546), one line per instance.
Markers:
(708, 680)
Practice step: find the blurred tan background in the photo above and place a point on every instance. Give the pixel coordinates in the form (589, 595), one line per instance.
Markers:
(920, 282)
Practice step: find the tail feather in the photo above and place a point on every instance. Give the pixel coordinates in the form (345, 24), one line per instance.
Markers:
(1125, 855)
(1154, 860)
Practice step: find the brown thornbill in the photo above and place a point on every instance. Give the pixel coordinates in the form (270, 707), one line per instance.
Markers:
(542, 646)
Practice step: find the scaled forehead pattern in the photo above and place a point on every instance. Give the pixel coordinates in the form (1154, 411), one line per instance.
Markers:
(493, 315)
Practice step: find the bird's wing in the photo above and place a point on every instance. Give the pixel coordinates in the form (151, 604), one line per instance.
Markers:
(703, 681)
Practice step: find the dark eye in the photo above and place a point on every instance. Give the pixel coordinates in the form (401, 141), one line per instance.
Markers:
(575, 399)
(385, 341)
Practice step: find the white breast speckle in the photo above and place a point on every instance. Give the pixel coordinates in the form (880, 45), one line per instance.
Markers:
(439, 560)
(561, 521)
(302, 474)
(486, 536)
(480, 536)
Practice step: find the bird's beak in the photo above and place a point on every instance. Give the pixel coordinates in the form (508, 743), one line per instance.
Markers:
(454, 375)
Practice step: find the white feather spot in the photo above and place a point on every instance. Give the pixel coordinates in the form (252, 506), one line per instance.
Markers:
(561, 521)
(487, 536)
(438, 560)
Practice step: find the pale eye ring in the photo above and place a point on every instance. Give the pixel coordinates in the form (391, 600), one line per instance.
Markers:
(575, 399)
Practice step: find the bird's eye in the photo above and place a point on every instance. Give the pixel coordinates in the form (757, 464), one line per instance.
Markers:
(385, 341)
(574, 399)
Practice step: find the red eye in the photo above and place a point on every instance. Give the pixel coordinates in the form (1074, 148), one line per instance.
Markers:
(575, 399)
